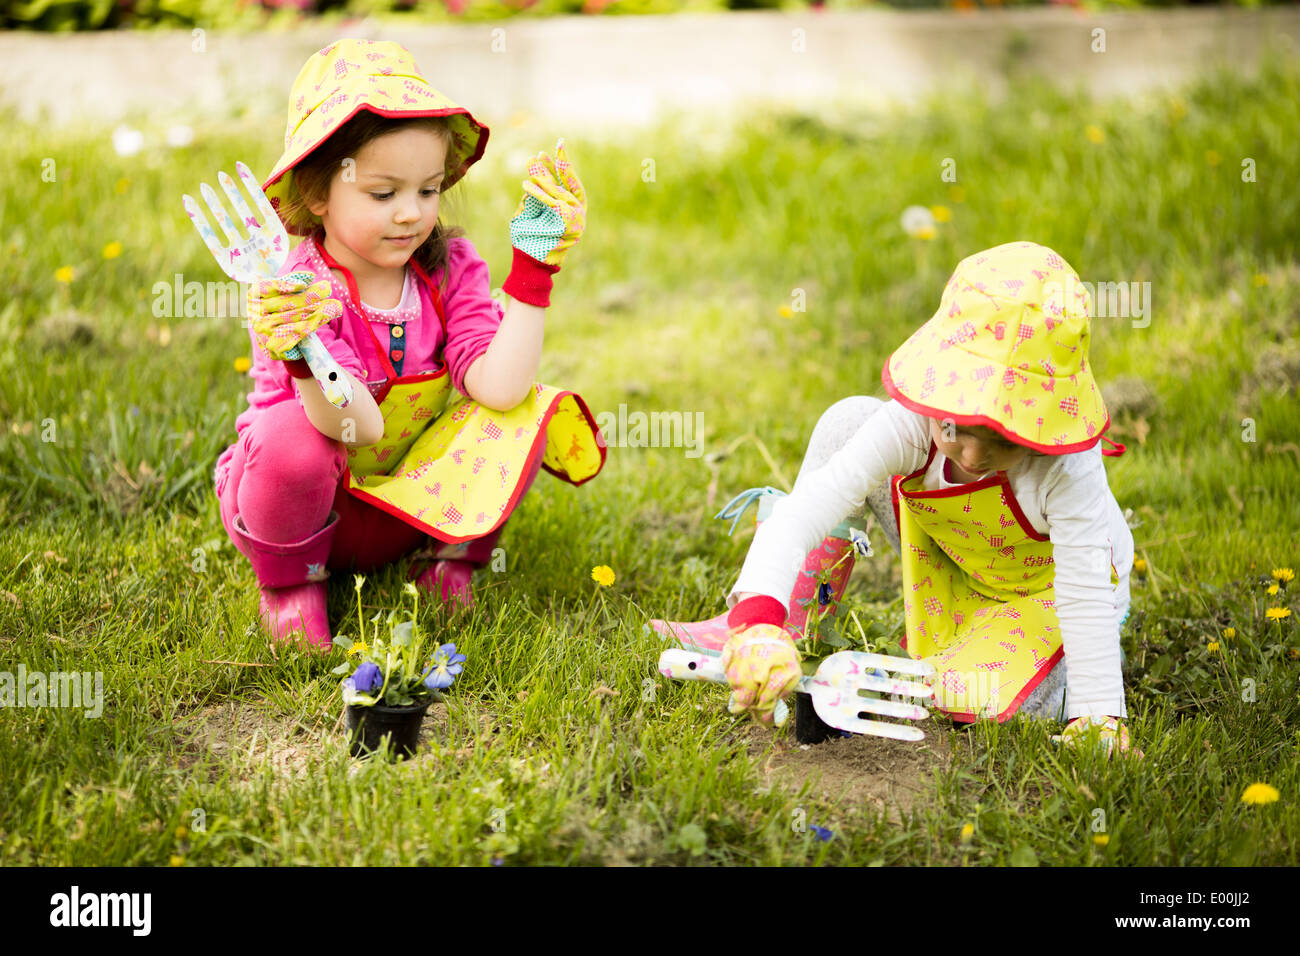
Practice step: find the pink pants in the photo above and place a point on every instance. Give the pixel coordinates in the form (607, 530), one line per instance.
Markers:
(285, 477)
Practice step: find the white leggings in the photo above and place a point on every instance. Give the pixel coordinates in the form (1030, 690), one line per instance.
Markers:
(836, 426)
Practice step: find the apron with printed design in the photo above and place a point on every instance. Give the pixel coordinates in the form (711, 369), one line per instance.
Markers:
(451, 467)
(979, 592)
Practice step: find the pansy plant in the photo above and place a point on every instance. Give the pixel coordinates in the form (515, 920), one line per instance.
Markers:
(404, 668)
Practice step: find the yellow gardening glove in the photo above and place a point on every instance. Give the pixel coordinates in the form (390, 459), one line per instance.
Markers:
(285, 310)
(1104, 732)
(762, 667)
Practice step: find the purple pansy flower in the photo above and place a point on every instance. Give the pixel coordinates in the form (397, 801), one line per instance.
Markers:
(367, 678)
(821, 833)
(444, 667)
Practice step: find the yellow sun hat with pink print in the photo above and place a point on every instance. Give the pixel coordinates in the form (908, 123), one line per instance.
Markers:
(1007, 349)
(377, 75)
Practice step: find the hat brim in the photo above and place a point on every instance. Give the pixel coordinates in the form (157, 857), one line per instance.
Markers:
(278, 189)
(921, 408)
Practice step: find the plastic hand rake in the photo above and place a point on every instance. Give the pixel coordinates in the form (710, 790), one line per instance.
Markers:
(260, 256)
(834, 689)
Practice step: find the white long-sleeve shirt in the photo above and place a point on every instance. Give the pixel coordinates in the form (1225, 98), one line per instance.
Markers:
(1065, 497)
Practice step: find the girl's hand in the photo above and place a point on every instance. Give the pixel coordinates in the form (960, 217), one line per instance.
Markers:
(762, 667)
(548, 222)
(1104, 732)
(285, 310)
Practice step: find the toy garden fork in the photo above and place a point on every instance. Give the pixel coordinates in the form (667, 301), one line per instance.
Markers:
(260, 256)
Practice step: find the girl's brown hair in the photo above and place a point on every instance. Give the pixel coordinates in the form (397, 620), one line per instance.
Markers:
(314, 173)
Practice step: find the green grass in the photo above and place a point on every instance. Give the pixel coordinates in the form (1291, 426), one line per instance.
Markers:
(114, 559)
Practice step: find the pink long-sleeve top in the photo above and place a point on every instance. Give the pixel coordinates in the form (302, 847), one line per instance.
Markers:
(473, 317)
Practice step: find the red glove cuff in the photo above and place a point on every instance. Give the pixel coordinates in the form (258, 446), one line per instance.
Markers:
(298, 368)
(529, 280)
(759, 609)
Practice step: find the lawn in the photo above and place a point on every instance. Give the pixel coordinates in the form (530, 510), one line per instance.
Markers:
(753, 275)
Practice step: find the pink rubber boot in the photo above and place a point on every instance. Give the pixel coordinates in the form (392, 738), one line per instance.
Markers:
(713, 633)
(292, 580)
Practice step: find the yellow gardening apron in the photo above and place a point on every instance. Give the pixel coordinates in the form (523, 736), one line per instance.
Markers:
(454, 468)
(979, 593)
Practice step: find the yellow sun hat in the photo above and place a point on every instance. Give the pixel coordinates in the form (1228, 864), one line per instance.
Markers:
(1007, 349)
(350, 75)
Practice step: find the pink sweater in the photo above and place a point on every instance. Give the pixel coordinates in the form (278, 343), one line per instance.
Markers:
(472, 321)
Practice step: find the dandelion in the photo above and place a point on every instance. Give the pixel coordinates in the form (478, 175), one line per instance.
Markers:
(1140, 565)
(941, 213)
(112, 250)
(918, 222)
(1211, 157)
(603, 575)
(1212, 646)
(182, 831)
(176, 860)
(1261, 280)
(1229, 633)
(127, 141)
(1277, 613)
(957, 193)
(1260, 793)
(360, 647)
(1272, 589)
(64, 274)
(1100, 839)
(786, 311)
(242, 364)
(1283, 574)
(1094, 134)
(122, 185)
(967, 832)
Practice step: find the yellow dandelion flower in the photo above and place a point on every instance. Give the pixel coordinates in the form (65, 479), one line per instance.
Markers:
(1261, 280)
(786, 311)
(112, 250)
(360, 647)
(1094, 134)
(243, 364)
(64, 274)
(1283, 574)
(182, 832)
(1212, 157)
(1260, 793)
(603, 575)
(926, 232)
(1140, 565)
(1212, 646)
(1100, 839)
(941, 213)
(1229, 633)
(122, 185)
(957, 193)
(1277, 613)
(967, 831)
(1272, 589)
(176, 860)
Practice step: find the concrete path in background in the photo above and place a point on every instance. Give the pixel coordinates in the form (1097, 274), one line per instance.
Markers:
(603, 72)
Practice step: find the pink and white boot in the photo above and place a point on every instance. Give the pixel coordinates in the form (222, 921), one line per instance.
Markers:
(712, 634)
(292, 579)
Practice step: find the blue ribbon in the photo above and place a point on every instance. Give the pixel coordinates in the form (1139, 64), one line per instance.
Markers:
(738, 505)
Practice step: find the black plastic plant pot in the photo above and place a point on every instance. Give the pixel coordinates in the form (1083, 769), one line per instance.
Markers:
(367, 726)
(808, 727)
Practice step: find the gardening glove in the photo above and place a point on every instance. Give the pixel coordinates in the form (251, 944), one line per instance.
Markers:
(285, 310)
(549, 220)
(1104, 732)
(762, 667)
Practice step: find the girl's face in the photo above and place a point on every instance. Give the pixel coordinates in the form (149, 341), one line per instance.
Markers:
(382, 208)
(976, 449)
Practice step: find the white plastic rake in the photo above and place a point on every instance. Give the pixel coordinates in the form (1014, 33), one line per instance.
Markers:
(261, 256)
(835, 688)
